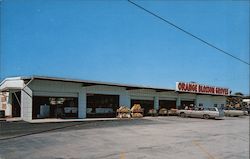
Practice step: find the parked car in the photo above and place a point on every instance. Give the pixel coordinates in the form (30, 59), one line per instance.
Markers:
(246, 111)
(206, 113)
(233, 112)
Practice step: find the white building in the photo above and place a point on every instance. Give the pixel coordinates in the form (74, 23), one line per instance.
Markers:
(39, 97)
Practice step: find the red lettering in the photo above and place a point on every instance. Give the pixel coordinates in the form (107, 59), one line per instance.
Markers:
(193, 87)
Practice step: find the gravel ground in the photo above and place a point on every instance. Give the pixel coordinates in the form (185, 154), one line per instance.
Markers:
(150, 138)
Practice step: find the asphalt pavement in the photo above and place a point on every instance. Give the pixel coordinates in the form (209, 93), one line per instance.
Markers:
(150, 138)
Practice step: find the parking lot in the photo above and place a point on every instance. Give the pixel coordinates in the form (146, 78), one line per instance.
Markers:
(151, 138)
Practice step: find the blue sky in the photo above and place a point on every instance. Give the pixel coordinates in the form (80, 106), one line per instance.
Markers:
(114, 41)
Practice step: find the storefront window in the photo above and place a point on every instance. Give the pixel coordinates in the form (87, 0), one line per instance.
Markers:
(101, 105)
(55, 107)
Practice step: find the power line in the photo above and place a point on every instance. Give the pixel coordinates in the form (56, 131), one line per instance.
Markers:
(188, 33)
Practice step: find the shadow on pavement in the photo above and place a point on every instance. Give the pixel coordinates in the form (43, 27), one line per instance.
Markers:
(11, 130)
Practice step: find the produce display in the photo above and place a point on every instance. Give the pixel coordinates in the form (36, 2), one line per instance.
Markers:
(137, 115)
(123, 115)
(123, 112)
(152, 112)
(172, 111)
(163, 111)
(123, 109)
(137, 111)
(136, 108)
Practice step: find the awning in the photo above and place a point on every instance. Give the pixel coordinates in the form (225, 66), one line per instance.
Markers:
(11, 84)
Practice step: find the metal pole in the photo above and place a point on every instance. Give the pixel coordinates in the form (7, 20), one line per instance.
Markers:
(17, 99)
(28, 83)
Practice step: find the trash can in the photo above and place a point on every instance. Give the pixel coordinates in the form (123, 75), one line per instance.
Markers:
(2, 113)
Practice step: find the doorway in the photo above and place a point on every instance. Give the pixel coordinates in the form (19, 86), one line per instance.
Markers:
(16, 104)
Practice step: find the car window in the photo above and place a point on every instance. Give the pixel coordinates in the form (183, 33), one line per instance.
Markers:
(211, 109)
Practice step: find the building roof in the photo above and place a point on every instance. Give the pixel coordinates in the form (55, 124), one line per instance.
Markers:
(90, 82)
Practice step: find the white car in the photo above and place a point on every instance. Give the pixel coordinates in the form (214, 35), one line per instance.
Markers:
(206, 113)
(233, 112)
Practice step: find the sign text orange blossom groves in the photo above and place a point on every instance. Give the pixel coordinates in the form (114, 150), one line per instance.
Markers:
(198, 88)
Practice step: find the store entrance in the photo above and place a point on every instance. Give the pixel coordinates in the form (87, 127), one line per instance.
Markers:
(168, 104)
(186, 103)
(16, 104)
(102, 106)
(145, 104)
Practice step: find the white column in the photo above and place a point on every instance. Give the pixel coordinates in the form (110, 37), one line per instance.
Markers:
(26, 104)
(8, 111)
(156, 103)
(178, 101)
(196, 101)
(82, 103)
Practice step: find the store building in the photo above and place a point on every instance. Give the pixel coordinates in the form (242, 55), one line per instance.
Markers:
(39, 97)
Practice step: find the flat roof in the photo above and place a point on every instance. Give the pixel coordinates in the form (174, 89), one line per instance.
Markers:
(92, 82)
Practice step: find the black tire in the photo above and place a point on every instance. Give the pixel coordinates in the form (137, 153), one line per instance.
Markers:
(183, 115)
(206, 116)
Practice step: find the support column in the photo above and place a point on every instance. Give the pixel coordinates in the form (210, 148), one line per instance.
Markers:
(156, 103)
(8, 111)
(124, 100)
(26, 104)
(178, 102)
(196, 101)
(82, 103)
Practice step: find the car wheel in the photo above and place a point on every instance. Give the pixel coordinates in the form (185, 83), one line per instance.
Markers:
(183, 115)
(206, 116)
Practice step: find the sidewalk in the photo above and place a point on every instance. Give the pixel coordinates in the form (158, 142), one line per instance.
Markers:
(55, 120)
(10, 119)
(58, 120)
